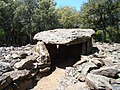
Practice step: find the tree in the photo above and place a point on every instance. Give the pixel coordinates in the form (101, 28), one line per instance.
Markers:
(68, 17)
(101, 14)
(6, 19)
(24, 19)
(45, 17)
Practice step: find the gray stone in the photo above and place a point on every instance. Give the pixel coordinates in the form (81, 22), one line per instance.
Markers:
(97, 62)
(44, 57)
(18, 74)
(64, 36)
(98, 82)
(15, 56)
(84, 59)
(85, 68)
(107, 71)
(4, 67)
(70, 71)
(27, 63)
(5, 80)
(80, 62)
(116, 87)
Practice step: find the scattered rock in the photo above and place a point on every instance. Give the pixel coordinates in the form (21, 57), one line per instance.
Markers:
(70, 72)
(98, 82)
(116, 87)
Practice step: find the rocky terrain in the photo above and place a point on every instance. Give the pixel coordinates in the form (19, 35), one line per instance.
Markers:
(67, 61)
(99, 70)
(19, 66)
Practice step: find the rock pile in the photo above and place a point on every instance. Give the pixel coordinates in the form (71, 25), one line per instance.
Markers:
(97, 71)
(19, 65)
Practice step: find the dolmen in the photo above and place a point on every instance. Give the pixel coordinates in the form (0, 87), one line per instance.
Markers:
(20, 67)
(64, 43)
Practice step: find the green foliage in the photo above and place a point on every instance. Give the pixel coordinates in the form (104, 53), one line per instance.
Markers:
(45, 17)
(21, 19)
(2, 33)
(99, 36)
(68, 17)
(100, 15)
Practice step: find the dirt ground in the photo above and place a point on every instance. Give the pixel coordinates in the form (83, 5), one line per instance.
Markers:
(50, 82)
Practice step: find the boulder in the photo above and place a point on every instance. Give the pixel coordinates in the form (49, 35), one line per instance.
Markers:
(44, 57)
(18, 74)
(64, 36)
(107, 71)
(84, 59)
(5, 80)
(85, 68)
(28, 62)
(4, 67)
(98, 82)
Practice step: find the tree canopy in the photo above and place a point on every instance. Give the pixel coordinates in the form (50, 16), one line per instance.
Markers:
(21, 19)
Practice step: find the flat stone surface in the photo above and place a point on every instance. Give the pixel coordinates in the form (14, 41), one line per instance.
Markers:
(15, 75)
(64, 36)
(98, 82)
(107, 71)
(27, 63)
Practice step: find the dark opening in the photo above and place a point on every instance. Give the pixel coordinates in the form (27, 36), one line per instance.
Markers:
(64, 56)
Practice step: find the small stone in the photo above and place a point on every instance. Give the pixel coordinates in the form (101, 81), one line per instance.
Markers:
(70, 72)
(44, 70)
(15, 56)
(4, 67)
(80, 77)
(97, 62)
(23, 55)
